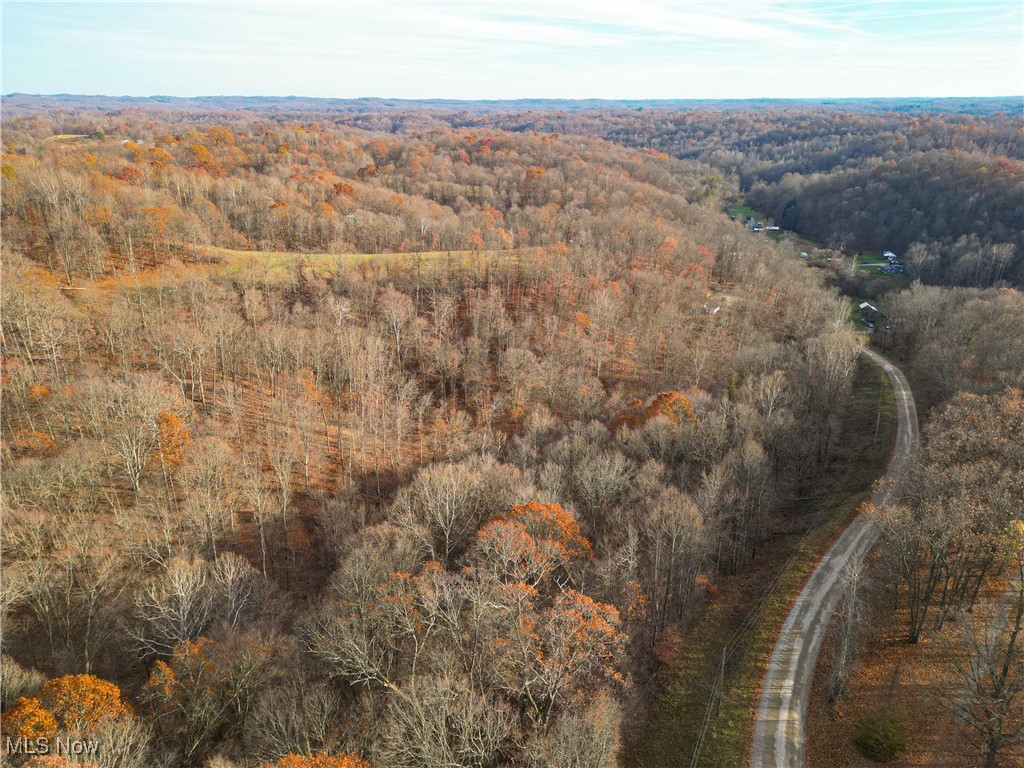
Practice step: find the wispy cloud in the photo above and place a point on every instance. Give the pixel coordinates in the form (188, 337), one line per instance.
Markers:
(645, 48)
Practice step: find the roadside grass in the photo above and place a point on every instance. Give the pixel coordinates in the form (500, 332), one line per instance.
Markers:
(668, 741)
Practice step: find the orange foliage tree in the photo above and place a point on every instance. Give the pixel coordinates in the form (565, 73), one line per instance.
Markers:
(202, 688)
(173, 438)
(319, 760)
(81, 702)
(530, 541)
(34, 443)
(674, 406)
(130, 174)
(563, 651)
(69, 703)
(630, 416)
(37, 393)
(28, 719)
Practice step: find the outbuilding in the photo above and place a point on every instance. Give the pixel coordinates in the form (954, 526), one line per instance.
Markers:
(868, 314)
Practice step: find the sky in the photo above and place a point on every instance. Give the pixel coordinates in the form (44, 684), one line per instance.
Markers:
(612, 49)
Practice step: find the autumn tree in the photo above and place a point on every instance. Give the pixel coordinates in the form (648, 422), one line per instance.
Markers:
(203, 688)
(28, 718)
(87, 707)
(530, 543)
(319, 760)
(81, 702)
(558, 654)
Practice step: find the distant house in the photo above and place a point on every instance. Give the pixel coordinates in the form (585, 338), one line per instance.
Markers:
(889, 256)
(868, 314)
(774, 229)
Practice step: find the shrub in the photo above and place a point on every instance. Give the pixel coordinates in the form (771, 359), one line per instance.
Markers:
(16, 681)
(881, 735)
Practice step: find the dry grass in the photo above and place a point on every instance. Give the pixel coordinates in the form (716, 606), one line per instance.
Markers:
(277, 266)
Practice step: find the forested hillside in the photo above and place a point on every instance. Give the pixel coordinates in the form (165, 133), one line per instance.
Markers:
(398, 448)
(858, 174)
(953, 183)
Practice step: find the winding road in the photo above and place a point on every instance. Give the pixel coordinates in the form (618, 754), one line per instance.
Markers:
(779, 731)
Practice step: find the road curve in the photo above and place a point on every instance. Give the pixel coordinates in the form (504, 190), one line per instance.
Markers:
(780, 728)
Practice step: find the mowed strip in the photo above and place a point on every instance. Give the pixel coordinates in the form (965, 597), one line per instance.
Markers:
(276, 266)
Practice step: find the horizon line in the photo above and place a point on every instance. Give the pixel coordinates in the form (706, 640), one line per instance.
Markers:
(509, 99)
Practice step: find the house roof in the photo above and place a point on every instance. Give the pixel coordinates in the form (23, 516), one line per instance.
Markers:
(865, 305)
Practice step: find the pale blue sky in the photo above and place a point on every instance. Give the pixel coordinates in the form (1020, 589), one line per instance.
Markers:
(606, 49)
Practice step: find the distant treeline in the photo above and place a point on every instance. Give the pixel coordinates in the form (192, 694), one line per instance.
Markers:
(23, 102)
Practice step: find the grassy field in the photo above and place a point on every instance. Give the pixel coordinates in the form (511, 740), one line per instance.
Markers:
(800, 242)
(670, 736)
(870, 263)
(277, 266)
(741, 211)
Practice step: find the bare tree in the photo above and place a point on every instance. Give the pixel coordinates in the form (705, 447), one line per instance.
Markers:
(850, 618)
(987, 658)
(586, 736)
(258, 499)
(443, 721)
(240, 589)
(211, 479)
(171, 606)
(673, 548)
(298, 715)
(445, 504)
